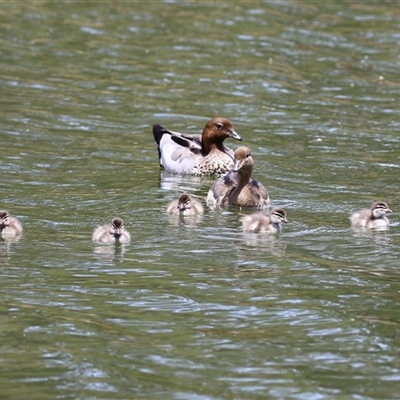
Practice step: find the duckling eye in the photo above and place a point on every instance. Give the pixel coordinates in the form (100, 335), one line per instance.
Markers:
(219, 125)
(248, 155)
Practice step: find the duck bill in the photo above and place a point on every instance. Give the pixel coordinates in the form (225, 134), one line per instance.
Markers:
(389, 211)
(234, 135)
(118, 231)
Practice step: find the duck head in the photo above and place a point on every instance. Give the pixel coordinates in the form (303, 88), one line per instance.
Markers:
(4, 219)
(215, 132)
(243, 162)
(183, 202)
(117, 227)
(380, 209)
(278, 216)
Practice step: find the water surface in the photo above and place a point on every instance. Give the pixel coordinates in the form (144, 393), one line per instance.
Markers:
(195, 308)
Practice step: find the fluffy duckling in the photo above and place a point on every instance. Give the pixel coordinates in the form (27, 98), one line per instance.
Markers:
(114, 232)
(375, 217)
(10, 227)
(237, 187)
(185, 205)
(265, 223)
(203, 154)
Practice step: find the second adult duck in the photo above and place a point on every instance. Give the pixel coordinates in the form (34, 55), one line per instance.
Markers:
(237, 187)
(203, 154)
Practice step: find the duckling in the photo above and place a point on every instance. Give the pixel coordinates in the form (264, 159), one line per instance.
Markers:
(375, 217)
(185, 205)
(262, 223)
(114, 232)
(200, 155)
(237, 187)
(10, 227)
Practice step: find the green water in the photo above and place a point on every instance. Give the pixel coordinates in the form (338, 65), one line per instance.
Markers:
(194, 308)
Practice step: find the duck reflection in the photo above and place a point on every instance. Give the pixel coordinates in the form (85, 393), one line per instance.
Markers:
(266, 242)
(380, 236)
(4, 251)
(181, 183)
(114, 251)
(5, 248)
(190, 221)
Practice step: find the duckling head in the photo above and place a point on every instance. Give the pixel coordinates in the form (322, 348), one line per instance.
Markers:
(278, 215)
(4, 218)
(117, 227)
(184, 202)
(380, 209)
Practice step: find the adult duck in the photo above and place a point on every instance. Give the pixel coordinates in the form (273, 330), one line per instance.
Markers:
(237, 187)
(203, 154)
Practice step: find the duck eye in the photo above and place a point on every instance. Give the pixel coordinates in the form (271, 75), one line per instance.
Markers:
(248, 155)
(219, 125)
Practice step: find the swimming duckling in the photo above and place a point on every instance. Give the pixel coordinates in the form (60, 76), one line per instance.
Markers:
(114, 232)
(237, 187)
(203, 154)
(265, 223)
(375, 217)
(185, 205)
(10, 227)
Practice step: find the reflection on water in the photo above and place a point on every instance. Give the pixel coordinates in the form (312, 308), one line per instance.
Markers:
(273, 244)
(6, 248)
(368, 232)
(114, 251)
(4, 251)
(374, 236)
(190, 221)
(183, 183)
